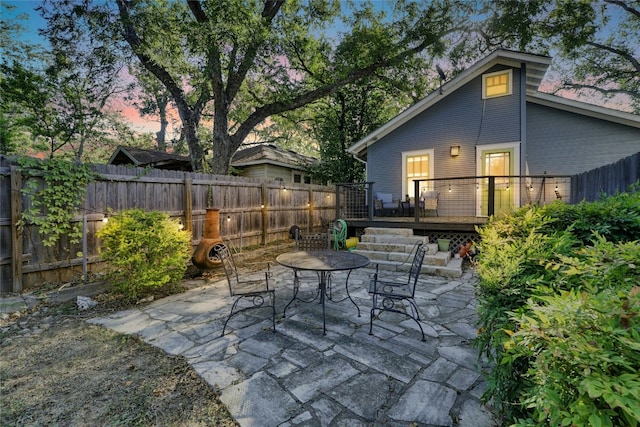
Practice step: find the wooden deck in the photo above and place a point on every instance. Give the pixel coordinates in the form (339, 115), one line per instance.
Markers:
(430, 223)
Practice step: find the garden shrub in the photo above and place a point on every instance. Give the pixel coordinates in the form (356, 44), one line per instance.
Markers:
(531, 264)
(615, 218)
(144, 251)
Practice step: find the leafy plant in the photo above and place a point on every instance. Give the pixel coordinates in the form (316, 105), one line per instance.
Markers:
(144, 251)
(530, 260)
(55, 188)
(586, 354)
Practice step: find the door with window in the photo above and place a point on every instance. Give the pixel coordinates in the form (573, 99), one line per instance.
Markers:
(499, 190)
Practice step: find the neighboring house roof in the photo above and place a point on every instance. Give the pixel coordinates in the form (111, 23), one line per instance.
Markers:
(149, 158)
(270, 154)
(536, 67)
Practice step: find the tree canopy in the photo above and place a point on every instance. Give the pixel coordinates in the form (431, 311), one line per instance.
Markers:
(597, 42)
(320, 72)
(241, 62)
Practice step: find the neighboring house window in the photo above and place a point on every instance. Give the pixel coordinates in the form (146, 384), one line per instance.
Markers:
(417, 165)
(497, 84)
(307, 179)
(297, 178)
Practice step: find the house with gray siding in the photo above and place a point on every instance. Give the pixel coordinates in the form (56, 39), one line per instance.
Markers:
(268, 161)
(492, 121)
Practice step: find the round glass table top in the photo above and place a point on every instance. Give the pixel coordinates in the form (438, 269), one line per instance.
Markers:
(322, 260)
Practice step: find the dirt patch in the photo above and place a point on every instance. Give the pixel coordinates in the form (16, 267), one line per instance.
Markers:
(73, 373)
(56, 369)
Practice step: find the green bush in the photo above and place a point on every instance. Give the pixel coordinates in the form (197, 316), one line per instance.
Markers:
(144, 251)
(616, 218)
(531, 261)
(585, 354)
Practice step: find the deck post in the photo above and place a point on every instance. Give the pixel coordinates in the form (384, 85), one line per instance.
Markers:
(370, 200)
(491, 201)
(416, 200)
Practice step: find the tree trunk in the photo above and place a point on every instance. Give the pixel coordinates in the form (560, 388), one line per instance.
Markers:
(222, 154)
(190, 133)
(161, 135)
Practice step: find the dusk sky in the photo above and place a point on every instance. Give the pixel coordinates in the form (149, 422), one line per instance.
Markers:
(35, 22)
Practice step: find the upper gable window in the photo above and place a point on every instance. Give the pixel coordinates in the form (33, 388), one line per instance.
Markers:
(497, 84)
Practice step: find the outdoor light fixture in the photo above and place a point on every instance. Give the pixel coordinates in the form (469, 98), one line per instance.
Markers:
(449, 188)
(180, 225)
(455, 150)
(262, 206)
(228, 218)
(105, 218)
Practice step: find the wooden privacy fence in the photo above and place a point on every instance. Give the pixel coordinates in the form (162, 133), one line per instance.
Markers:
(252, 212)
(608, 179)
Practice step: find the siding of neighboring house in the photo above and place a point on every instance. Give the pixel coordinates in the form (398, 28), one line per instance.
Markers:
(267, 171)
(272, 172)
(463, 118)
(566, 143)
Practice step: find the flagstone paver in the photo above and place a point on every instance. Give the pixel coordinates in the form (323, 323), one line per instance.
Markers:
(300, 377)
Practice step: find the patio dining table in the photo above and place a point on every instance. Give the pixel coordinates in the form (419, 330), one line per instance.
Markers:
(323, 262)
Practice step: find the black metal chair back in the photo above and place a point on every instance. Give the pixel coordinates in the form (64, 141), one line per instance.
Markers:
(254, 293)
(312, 242)
(416, 267)
(391, 295)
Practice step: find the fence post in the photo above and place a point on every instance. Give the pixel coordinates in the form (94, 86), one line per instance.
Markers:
(311, 209)
(264, 213)
(16, 233)
(187, 204)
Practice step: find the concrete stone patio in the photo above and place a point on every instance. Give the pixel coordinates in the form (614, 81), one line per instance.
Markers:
(298, 377)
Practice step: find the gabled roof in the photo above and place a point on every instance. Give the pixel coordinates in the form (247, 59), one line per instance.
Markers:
(270, 154)
(536, 67)
(149, 158)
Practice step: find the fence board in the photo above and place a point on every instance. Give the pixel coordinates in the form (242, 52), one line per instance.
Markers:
(608, 179)
(118, 188)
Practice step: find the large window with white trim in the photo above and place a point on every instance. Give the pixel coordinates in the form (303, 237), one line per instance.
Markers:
(417, 165)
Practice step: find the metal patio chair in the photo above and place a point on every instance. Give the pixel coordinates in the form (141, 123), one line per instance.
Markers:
(397, 296)
(309, 243)
(248, 294)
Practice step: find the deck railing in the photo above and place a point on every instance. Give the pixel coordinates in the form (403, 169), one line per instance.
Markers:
(475, 196)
